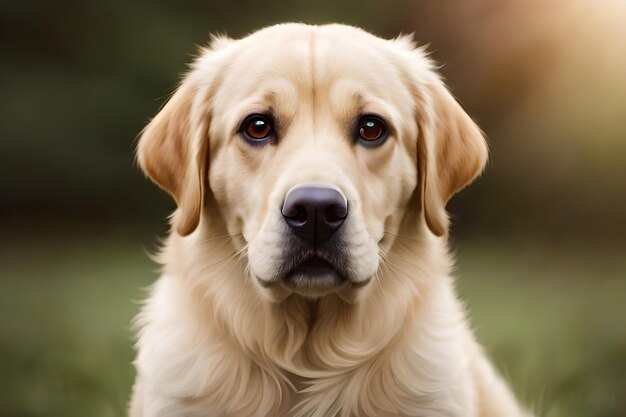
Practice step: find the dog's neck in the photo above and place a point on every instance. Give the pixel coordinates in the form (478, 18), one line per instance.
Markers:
(313, 306)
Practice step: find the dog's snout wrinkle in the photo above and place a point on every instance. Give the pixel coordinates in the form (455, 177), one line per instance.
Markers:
(315, 211)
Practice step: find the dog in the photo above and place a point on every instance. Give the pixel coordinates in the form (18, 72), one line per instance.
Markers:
(307, 270)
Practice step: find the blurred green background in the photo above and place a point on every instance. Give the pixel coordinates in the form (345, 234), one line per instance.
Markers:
(540, 237)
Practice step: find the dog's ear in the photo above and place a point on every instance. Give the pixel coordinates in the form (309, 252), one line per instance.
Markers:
(172, 152)
(451, 153)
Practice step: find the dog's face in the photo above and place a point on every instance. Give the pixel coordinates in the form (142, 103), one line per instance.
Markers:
(311, 145)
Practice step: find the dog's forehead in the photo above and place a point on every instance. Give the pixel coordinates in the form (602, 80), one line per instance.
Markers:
(307, 58)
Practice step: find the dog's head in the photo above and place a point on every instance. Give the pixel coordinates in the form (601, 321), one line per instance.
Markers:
(312, 145)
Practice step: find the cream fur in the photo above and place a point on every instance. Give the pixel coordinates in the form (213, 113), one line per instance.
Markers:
(212, 342)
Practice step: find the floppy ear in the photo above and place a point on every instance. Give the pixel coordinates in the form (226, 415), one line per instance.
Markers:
(451, 153)
(172, 153)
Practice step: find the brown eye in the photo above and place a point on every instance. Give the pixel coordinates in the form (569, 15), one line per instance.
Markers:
(257, 128)
(372, 130)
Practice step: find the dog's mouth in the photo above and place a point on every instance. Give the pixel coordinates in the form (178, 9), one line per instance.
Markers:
(312, 276)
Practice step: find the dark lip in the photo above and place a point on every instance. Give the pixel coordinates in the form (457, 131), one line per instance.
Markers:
(314, 271)
(302, 267)
(313, 265)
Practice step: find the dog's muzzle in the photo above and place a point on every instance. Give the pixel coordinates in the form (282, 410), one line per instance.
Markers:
(314, 260)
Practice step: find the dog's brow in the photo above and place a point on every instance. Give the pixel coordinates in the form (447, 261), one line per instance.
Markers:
(349, 102)
(279, 102)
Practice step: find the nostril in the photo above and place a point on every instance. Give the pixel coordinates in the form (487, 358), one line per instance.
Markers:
(335, 215)
(295, 215)
(299, 216)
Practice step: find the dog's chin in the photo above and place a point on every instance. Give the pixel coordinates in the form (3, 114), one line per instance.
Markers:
(314, 286)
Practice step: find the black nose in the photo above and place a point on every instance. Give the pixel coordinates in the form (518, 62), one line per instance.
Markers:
(315, 211)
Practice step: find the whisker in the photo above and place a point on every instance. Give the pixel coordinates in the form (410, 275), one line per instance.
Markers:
(380, 285)
(228, 257)
(404, 259)
(407, 237)
(222, 237)
(389, 264)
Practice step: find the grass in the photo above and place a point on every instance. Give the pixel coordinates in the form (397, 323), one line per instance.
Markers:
(552, 320)
(551, 317)
(65, 343)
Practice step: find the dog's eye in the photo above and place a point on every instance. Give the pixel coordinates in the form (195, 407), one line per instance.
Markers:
(257, 128)
(372, 130)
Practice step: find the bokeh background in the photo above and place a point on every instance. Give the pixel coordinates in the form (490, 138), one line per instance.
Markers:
(540, 237)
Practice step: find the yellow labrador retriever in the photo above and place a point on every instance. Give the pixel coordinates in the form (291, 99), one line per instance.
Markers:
(307, 273)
